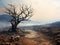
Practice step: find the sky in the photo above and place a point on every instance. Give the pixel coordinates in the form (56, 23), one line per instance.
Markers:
(43, 10)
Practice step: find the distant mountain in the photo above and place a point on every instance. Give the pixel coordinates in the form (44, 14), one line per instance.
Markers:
(5, 17)
(55, 24)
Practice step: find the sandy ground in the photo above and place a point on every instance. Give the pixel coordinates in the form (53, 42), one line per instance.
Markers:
(39, 38)
(32, 34)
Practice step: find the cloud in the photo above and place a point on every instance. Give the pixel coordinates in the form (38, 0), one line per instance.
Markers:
(46, 9)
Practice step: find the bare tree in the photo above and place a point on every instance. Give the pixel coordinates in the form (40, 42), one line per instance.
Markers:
(24, 13)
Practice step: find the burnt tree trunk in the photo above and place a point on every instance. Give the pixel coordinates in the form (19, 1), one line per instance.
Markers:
(14, 27)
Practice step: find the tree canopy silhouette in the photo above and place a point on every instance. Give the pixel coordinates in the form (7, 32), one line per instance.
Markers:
(24, 13)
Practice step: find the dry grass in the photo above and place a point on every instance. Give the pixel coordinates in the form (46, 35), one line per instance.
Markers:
(33, 38)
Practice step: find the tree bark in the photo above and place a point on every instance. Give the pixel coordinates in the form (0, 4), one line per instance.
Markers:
(14, 27)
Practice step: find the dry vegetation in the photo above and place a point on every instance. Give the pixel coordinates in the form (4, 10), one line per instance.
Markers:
(18, 39)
